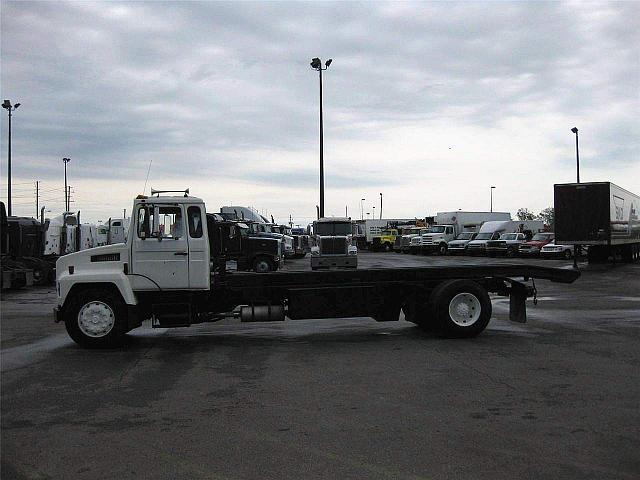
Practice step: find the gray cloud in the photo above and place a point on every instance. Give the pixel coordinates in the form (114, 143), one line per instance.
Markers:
(197, 87)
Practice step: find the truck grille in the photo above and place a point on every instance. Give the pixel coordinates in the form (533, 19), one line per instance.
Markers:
(333, 246)
(496, 244)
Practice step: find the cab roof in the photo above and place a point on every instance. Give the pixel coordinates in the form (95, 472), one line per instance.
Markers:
(159, 200)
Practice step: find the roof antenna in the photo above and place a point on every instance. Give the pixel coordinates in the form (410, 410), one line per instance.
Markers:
(146, 179)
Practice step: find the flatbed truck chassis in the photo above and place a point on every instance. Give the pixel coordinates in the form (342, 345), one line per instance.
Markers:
(174, 280)
(450, 301)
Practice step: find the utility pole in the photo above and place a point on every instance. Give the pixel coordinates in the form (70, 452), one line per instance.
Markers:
(37, 198)
(68, 198)
(380, 205)
(124, 213)
(7, 106)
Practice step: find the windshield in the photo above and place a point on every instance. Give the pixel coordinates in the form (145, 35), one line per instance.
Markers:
(542, 237)
(388, 232)
(509, 236)
(436, 229)
(332, 228)
(465, 236)
(484, 236)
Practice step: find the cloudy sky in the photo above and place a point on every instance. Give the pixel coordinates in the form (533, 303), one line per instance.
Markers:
(429, 103)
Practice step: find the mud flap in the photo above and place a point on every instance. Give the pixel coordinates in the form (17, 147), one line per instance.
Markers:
(517, 302)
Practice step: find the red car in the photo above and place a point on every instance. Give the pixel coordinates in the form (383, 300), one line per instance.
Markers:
(533, 246)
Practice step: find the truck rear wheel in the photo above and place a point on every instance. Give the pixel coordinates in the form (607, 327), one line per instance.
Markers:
(96, 318)
(460, 308)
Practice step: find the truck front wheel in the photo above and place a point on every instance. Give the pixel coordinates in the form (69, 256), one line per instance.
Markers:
(460, 308)
(442, 249)
(96, 318)
(263, 265)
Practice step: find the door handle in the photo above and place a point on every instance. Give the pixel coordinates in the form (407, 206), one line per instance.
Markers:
(184, 254)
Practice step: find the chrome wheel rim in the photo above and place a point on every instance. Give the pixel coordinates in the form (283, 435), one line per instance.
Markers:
(464, 309)
(96, 319)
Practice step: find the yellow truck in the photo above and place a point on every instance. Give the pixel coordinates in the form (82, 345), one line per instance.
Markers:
(385, 240)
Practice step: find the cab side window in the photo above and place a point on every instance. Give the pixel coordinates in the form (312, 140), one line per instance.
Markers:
(195, 222)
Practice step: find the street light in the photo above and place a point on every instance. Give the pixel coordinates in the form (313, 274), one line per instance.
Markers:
(380, 205)
(492, 198)
(7, 106)
(316, 64)
(66, 191)
(576, 248)
(575, 130)
(362, 209)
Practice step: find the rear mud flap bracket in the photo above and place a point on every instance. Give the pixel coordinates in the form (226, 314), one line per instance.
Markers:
(517, 302)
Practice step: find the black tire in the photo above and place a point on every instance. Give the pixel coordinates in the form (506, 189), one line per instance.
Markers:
(511, 252)
(440, 304)
(442, 249)
(567, 255)
(387, 247)
(263, 265)
(417, 312)
(112, 338)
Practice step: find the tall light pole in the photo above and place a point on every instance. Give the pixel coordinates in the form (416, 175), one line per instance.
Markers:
(362, 209)
(576, 248)
(316, 64)
(492, 198)
(10, 108)
(374, 212)
(66, 190)
(380, 205)
(575, 130)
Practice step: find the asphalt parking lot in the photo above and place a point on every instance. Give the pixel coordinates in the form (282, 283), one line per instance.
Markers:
(557, 398)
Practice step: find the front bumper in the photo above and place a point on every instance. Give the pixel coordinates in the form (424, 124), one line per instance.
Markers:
(57, 314)
(529, 252)
(337, 261)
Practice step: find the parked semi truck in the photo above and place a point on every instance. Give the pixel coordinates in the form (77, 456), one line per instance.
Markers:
(601, 215)
(234, 241)
(164, 274)
(333, 246)
(22, 252)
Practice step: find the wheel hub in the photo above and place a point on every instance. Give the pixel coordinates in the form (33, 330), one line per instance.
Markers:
(464, 309)
(96, 319)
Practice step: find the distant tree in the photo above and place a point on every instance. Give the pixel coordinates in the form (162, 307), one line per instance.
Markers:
(524, 214)
(548, 216)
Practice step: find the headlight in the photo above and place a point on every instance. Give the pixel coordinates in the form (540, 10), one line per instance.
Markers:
(315, 250)
(353, 250)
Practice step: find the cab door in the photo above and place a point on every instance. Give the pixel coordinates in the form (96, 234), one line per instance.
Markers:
(160, 249)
